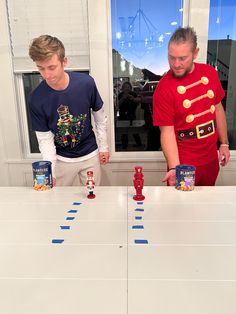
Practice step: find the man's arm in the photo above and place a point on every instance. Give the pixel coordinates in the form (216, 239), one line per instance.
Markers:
(47, 149)
(221, 124)
(170, 151)
(100, 120)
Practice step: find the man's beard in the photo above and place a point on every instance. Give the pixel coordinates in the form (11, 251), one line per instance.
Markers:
(186, 72)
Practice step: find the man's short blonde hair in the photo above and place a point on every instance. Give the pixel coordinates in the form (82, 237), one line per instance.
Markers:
(44, 47)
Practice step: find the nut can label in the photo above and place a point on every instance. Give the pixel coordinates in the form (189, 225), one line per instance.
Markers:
(42, 175)
(185, 177)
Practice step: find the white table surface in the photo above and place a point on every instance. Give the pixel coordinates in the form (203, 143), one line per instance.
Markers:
(188, 265)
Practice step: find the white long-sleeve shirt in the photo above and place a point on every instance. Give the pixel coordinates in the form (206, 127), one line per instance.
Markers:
(48, 149)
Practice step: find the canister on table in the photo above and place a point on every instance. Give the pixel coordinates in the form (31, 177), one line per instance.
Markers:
(42, 175)
(185, 177)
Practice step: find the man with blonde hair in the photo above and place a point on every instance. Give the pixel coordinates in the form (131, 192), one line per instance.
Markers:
(61, 108)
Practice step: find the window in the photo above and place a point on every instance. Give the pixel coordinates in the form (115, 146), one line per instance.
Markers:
(140, 34)
(221, 54)
(30, 82)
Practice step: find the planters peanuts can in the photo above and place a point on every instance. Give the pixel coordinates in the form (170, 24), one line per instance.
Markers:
(185, 177)
(42, 175)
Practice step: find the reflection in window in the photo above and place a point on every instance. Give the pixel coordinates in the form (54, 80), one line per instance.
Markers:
(140, 35)
(221, 54)
(31, 81)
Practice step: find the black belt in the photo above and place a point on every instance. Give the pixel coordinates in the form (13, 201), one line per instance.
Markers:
(200, 131)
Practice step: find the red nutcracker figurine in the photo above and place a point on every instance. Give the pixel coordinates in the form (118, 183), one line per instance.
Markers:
(90, 184)
(138, 184)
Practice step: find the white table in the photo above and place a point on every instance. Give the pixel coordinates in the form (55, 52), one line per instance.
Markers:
(188, 265)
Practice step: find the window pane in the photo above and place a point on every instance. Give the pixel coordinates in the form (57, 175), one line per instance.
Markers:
(221, 54)
(140, 34)
(31, 81)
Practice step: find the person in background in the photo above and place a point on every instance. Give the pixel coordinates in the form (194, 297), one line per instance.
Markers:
(128, 101)
(60, 109)
(187, 108)
(153, 132)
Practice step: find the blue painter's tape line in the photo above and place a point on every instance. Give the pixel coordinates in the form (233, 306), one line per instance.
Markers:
(138, 217)
(70, 218)
(139, 203)
(57, 241)
(139, 209)
(65, 227)
(141, 241)
(72, 211)
(76, 203)
(138, 227)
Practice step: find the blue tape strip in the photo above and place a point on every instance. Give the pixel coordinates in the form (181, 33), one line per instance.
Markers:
(70, 218)
(138, 227)
(141, 241)
(139, 209)
(57, 240)
(139, 203)
(65, 227)
(138, 217)
(72, 211)
(76, 203)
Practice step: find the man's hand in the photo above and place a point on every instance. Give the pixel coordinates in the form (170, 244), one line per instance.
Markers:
(170, 177)
(54, 181)
(224, 154)
(104, 157)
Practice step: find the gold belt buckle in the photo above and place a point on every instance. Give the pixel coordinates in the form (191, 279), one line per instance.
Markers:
(199, 132)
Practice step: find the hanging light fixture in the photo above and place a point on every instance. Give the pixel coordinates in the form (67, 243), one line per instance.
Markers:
(138, 34)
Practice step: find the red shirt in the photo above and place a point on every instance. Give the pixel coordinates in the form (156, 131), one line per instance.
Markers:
(186, 103)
